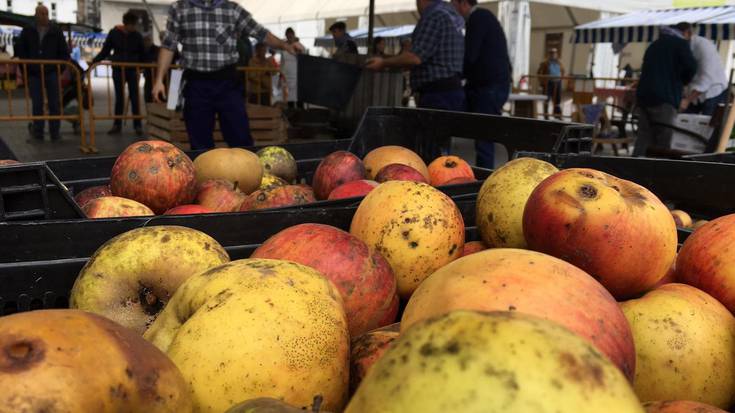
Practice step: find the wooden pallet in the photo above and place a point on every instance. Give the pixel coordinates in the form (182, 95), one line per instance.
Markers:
(267, 125)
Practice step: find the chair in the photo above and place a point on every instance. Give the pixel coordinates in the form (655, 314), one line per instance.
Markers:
(596, 114)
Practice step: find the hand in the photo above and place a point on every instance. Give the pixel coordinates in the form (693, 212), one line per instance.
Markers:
(159, 92)
(684, 105)
(375, 63)
(289, 48)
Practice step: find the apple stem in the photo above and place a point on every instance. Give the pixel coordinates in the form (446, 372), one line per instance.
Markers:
(450, 164)
(317, 405)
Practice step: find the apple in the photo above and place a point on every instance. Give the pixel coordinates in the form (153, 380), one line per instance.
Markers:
(616, 230)
(220, 195)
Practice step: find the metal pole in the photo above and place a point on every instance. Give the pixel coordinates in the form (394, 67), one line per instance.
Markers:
(153, 18)
(371, 25)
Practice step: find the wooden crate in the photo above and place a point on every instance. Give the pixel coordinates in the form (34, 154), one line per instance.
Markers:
(267, 125)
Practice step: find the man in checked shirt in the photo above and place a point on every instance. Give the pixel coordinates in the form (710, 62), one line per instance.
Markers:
(208, 31)
(435, 58)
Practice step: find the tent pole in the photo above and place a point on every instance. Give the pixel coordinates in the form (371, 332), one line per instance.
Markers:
(371, 25)
(153, 18)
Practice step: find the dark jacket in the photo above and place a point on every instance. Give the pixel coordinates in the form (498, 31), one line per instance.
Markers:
(486, 60)
(668, 66)
(53, 47)
(127, 47)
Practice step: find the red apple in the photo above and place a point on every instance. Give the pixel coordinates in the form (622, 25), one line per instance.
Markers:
(616, 230)
(336, 169)
(115, 207)
(473, 247)
(277, 197)
(504, 279)
(362, 276)
(707, 260)
(92, 193)
(460, 180)
(156, 174)
(399, 172)
(367, 349)
(188, 210)
(445, 168)
(353, 189)
(220, 195)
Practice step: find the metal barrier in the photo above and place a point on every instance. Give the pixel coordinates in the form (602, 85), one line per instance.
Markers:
(14, 73)
(253, 79)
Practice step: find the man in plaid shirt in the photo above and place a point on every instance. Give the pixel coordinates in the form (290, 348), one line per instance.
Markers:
(208, 31)
(435, 58)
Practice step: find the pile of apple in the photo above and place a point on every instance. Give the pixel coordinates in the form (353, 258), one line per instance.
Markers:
(155, 177)
(563, 307)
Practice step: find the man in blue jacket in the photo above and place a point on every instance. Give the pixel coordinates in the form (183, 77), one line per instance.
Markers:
(668, 66)
(43, 41)
(486, 68)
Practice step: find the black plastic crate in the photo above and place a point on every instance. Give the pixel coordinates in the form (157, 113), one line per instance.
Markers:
(41, 275)
(726, 157)
(32, 192)
(426, 131)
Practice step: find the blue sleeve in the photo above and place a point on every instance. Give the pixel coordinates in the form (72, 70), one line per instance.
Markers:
(478, 28)
(106, 48)
(424, 39)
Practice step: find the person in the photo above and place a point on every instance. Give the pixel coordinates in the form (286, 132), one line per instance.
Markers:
(407, 92)
(125, 44)
(150, 55)
(43, 41)
(259, 83)
(213, 88)
(379, 47)
(668, 65)
(290, 69)
(435, 57)
(551, 71)
(709, 88)
(342, 40)
(486, 69)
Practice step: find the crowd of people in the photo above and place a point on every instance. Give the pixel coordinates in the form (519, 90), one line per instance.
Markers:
(681, 72)
(456, 59)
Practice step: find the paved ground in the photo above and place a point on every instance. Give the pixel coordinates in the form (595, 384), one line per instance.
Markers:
(16, 135)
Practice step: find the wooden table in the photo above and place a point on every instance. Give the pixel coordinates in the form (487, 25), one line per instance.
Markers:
(524, 104)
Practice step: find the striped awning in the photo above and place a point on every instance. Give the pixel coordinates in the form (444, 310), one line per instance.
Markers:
(716, 23)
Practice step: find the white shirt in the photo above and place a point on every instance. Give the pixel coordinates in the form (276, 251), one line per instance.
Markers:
(710, 79)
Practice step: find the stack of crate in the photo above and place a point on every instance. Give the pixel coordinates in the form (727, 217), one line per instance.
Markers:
(267, 125)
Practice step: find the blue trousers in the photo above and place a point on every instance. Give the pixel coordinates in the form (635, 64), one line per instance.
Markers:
(52, 96)
(451, 100)
(131, 80)
(709, 106)
(207, 99)
(488, 100)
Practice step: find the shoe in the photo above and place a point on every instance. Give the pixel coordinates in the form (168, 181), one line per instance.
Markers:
(116, 130)
(139, 132)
